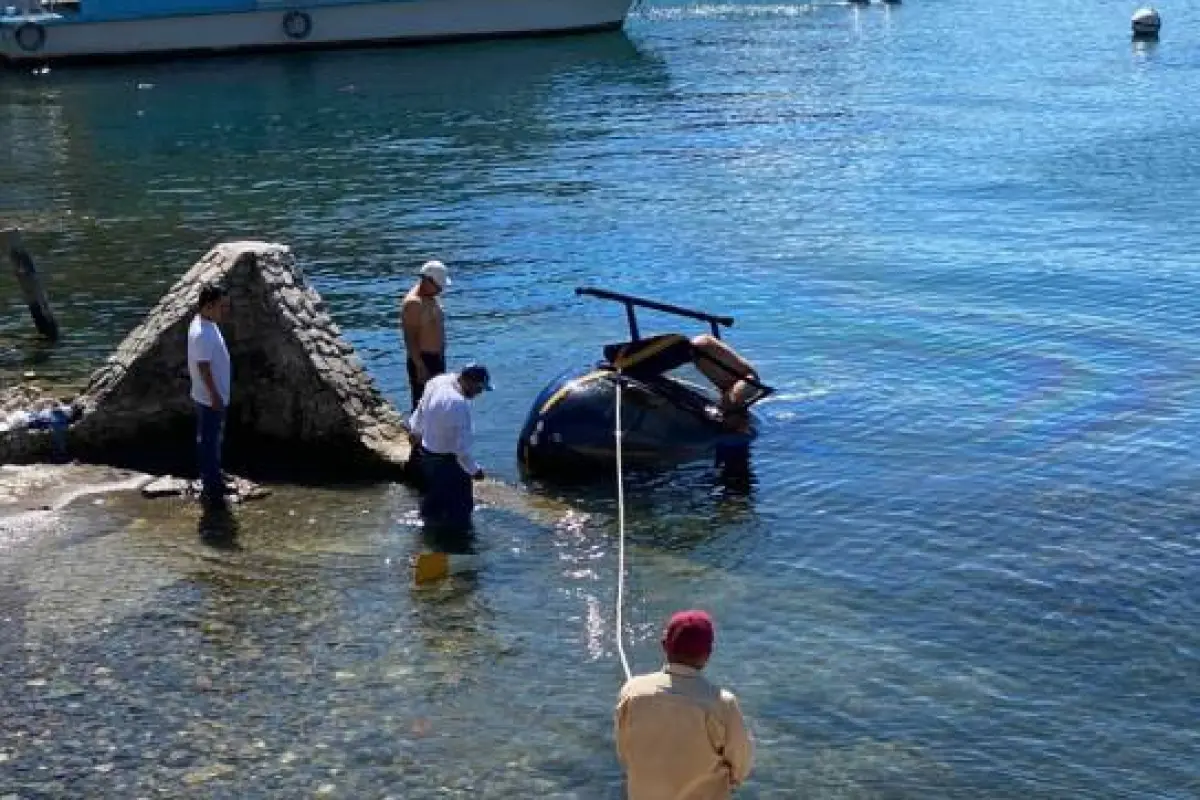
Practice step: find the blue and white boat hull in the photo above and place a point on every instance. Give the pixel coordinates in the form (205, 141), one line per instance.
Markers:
(104, 30)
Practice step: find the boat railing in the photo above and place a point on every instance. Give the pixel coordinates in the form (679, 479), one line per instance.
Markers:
(715, 321)
(632, 303)
(36, 7)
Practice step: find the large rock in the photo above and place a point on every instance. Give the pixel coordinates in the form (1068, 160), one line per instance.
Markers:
(302, 403)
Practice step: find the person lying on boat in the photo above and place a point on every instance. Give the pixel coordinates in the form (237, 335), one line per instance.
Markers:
(734, 377)
(728, 370)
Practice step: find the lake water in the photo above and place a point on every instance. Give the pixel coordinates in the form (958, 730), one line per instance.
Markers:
(959, 237)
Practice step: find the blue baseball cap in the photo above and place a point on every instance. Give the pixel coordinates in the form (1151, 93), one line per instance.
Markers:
(479, 374)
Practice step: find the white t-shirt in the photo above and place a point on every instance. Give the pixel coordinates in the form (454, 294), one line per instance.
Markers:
(205, 343)
(443, 421)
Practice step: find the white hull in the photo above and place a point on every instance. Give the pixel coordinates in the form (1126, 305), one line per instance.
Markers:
(330, 26)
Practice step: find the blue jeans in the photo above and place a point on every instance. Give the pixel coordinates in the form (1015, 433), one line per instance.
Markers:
(210, 425)
(449, 499)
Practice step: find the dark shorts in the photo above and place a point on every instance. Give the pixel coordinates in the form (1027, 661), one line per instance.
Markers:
(435, 364)
(649, 357)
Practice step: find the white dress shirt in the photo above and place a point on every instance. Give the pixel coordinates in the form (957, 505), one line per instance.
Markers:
(442, 421)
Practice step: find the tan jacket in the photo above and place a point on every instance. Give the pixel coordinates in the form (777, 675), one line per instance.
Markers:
(679, 737)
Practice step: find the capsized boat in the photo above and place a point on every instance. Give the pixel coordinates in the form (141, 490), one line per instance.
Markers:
(570, 429)
(38, 31)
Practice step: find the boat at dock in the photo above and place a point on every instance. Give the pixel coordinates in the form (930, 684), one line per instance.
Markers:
(48, 31)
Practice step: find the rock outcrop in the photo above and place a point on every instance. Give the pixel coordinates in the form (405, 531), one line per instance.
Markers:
(302, 406)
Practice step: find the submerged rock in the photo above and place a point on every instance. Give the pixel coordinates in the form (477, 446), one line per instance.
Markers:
(302, 403)
(166, 486)
(33, 423)
(238, 490)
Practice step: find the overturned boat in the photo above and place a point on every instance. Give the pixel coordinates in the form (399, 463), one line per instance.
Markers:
(665, 419)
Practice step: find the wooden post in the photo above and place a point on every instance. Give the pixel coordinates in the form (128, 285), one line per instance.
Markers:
(31, 285)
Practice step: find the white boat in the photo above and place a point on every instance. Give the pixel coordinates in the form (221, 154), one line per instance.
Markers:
(33, 32)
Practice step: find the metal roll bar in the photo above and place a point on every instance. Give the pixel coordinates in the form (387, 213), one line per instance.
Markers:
(631, 303)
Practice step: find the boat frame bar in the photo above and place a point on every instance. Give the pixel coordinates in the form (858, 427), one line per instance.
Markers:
(715, 321)
(632, 303)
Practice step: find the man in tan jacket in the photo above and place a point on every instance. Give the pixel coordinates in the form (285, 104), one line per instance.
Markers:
(679, 737)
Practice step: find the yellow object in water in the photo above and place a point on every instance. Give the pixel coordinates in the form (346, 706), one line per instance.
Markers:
(430, 567)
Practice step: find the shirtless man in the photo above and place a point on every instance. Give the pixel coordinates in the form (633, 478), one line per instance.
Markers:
(424, 328)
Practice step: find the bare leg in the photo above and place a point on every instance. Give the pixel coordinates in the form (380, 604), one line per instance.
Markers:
(722, 365)
(739, 394)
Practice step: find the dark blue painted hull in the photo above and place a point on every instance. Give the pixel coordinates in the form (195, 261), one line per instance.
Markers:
(570, 428)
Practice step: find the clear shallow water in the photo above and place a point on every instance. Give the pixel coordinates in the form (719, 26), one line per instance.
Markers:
(962, 245)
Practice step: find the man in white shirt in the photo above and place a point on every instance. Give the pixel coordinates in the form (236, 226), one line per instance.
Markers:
(442, 430)
(208, 366)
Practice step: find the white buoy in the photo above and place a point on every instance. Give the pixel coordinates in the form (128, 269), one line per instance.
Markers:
(1146, 23)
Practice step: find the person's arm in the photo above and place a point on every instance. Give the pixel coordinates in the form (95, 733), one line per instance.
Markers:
(466, 437)
(216, 402)
(416, 424)
(620, 725)
(441, 334)
(411, 326)
(739, 746)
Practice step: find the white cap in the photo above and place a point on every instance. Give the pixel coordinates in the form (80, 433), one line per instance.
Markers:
(436, 272)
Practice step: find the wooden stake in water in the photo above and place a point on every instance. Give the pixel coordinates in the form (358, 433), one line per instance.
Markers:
(30, 283)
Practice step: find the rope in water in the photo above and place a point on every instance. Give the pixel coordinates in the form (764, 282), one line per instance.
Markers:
(619, 434)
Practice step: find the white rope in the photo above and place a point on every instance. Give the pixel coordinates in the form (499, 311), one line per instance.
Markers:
(619, 434)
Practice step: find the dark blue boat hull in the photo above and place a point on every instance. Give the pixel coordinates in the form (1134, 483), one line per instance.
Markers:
(569, 431)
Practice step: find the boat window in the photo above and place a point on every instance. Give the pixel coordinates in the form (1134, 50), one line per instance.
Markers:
(46, 6)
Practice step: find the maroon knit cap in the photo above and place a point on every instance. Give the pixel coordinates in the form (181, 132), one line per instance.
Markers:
(689, 635)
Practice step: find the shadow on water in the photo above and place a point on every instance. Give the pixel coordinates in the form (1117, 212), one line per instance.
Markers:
(684, 508)
(489, 96)
(449, 539)
(337, 154)
(488, 101)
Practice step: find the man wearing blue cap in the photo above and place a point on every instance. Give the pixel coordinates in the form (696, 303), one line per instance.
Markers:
(442, 430)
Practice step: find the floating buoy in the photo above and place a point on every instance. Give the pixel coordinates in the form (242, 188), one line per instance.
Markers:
(1146, 23)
